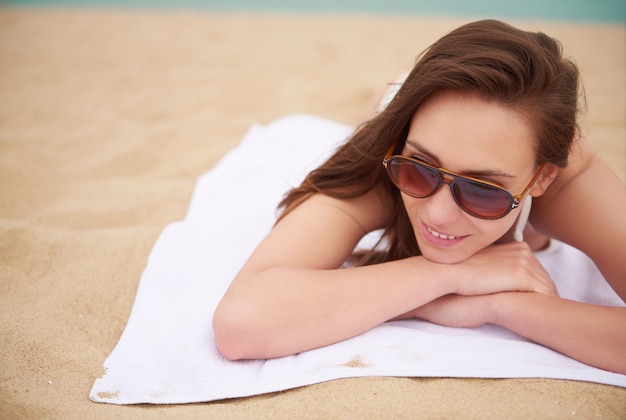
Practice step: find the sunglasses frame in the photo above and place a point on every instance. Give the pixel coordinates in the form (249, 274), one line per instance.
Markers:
(442, 173)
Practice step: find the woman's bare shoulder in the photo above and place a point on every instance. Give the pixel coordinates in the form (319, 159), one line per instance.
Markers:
(322, 232)
(371, 211)
(585, 208)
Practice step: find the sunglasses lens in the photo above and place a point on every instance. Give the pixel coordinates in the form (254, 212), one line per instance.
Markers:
(412, 178)
(481, 200)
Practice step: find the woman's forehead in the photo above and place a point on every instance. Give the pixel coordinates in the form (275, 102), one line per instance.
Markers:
(471, 134)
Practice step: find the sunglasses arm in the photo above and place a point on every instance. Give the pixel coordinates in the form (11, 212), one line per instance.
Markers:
(522, 219)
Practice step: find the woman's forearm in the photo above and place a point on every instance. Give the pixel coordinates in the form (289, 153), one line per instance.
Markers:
(281, 310)
(592, 334)
(286, 310)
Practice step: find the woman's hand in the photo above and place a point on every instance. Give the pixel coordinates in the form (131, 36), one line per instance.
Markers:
(510, 267)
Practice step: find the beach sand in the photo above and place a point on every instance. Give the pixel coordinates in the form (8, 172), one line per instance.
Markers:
(107, 118)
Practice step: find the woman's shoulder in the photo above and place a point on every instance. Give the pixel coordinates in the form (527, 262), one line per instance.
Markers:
(371, 211)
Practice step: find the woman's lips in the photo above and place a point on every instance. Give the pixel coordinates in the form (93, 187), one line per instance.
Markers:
(440, 238)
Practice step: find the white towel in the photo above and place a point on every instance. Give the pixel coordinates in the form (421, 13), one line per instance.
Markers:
(167, 352)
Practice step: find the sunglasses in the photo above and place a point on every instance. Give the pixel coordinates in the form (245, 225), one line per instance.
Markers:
(476, 197)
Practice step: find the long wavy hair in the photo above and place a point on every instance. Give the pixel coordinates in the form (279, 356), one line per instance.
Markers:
(523, 71)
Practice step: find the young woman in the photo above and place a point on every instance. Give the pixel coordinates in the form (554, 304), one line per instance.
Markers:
(486, 119)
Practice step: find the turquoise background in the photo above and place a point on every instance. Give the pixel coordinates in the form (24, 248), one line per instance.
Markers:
(613, 11)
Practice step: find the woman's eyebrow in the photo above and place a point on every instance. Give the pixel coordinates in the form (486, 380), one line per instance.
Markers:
(415, 145)
(473, 173)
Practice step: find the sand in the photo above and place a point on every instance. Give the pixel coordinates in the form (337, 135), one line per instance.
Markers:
(107, 118)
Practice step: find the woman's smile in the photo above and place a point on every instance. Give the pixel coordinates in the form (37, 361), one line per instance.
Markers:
(439, 238)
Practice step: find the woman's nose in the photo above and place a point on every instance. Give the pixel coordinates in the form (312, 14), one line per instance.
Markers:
(441, 207)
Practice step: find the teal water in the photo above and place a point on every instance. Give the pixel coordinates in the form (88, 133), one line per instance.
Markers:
(613, 11)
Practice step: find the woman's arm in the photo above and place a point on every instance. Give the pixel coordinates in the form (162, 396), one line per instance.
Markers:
(586, 208)
(290, 296)
(592, 334)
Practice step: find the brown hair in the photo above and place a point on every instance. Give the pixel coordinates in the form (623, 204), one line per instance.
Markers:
(521, 70)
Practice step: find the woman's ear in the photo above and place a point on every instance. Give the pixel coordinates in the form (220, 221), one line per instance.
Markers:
(548, 175)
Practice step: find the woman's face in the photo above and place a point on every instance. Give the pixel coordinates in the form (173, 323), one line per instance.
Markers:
(473, 137)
